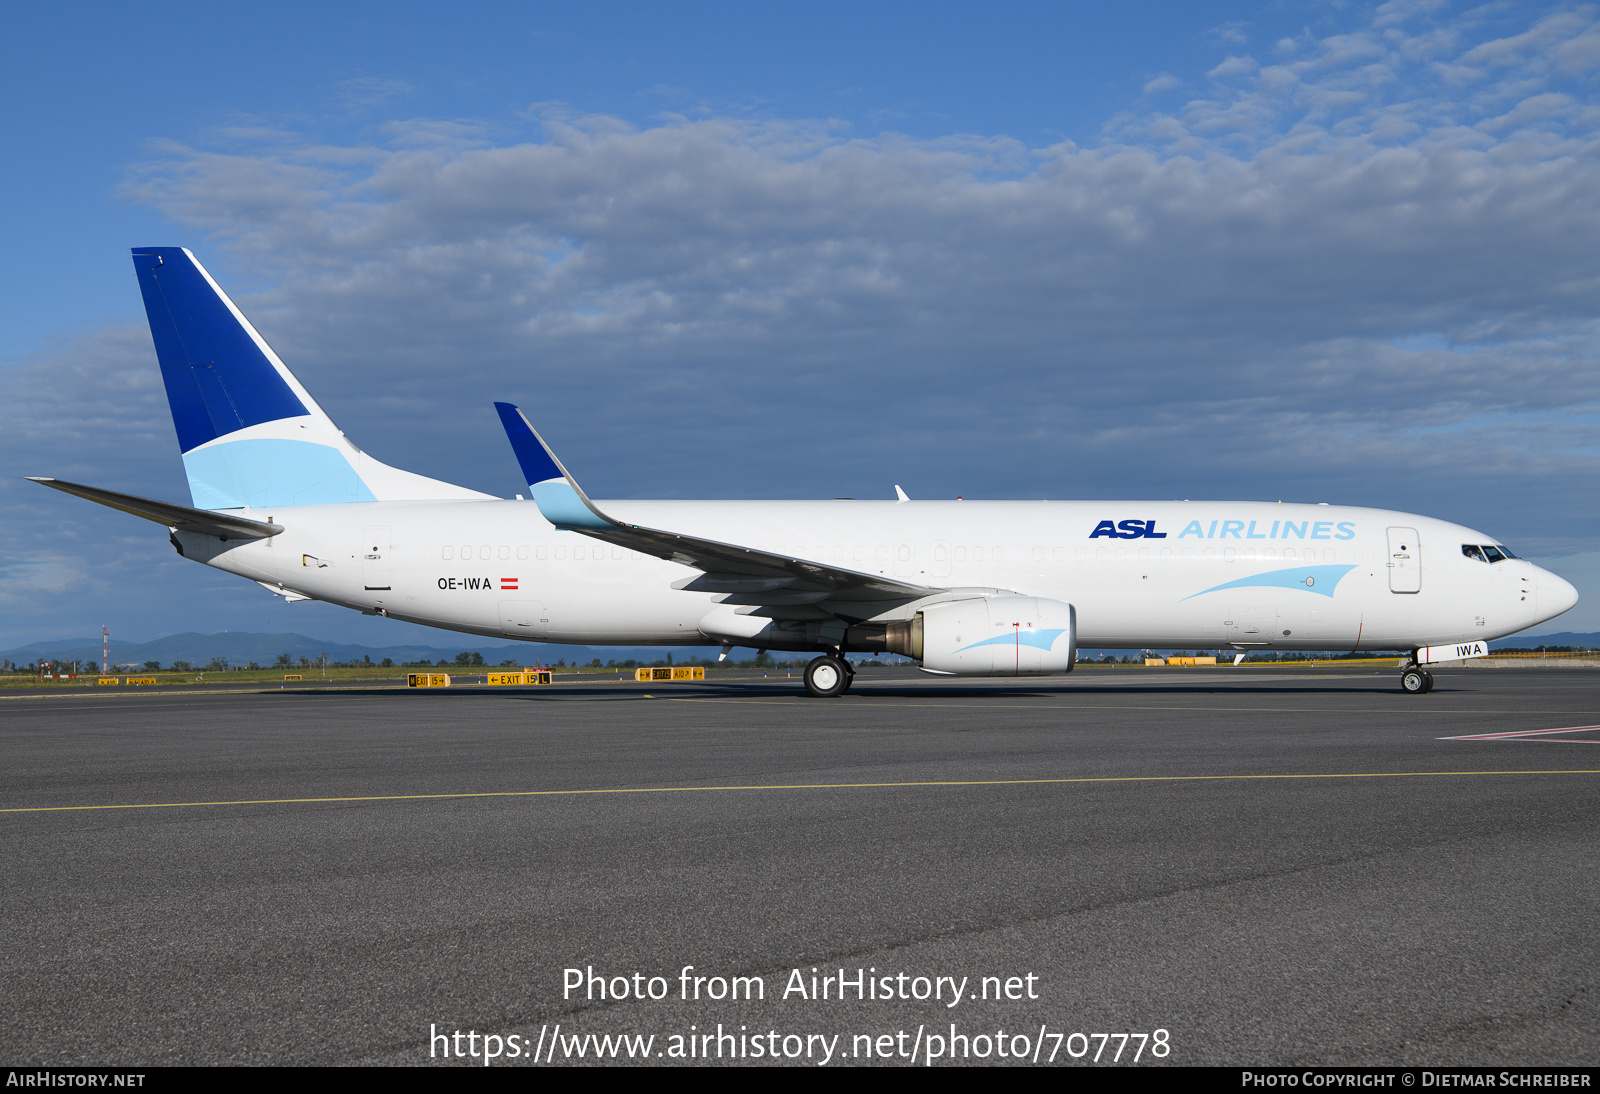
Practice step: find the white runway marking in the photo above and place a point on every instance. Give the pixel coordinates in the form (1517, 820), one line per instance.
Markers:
(1536, 735)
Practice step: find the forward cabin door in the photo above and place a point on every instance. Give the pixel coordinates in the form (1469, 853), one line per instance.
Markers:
(1405, 561)
(375, 558)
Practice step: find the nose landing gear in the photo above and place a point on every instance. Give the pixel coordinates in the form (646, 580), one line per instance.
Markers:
(1416, 680)
(828, 675)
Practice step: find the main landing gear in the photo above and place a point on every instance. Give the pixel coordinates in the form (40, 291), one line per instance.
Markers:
(828, 676)
(1416, 680)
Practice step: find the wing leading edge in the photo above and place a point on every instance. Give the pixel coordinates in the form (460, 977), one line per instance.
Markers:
(765, 584)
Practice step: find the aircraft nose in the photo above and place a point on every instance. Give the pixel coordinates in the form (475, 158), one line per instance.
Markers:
(1556, 594)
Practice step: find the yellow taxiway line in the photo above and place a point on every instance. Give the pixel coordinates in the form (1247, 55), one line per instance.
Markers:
(789, 786)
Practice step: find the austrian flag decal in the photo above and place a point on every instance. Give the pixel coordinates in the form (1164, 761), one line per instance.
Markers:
(508, 583)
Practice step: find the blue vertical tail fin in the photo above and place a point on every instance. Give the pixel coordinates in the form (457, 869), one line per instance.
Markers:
(250, 434)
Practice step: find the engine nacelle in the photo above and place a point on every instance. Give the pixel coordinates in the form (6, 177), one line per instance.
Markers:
(991, 636)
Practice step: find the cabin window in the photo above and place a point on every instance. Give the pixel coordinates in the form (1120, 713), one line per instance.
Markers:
(860, 554)
(541, 552)
(1082, 553)
(466, 551)
(838, 554)
(1101, 554)
(882, 554)
(616, 554)
(998, 553)
(505, 552)
(580, 552)
(1122, 553)
(1269, 554)
(1229, 554)
(561, 554)
(1060, 554)
(1211, 552)
(1288, 554)
(522, 551)
(1249, 554)
(485, 552)
(905, 553)
(961, 554)
(1038, 554)
(448, 552)
(977, 554)
(939, 553)
(1144, 554)
(1166, 552)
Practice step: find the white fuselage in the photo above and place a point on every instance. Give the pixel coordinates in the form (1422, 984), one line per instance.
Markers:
(467, 565)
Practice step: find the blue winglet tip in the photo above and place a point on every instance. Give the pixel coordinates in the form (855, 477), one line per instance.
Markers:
(537, 464)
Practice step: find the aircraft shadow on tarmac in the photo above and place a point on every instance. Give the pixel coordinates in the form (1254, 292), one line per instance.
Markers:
(932, 691)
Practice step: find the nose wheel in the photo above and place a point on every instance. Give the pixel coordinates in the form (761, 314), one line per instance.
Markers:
(827, 676)
(1416, 680)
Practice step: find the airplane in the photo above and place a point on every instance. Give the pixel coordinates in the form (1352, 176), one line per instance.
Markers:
(279, 495)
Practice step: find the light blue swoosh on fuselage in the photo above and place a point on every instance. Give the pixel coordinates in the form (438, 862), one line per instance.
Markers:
(1043, 639)
(1312, 579)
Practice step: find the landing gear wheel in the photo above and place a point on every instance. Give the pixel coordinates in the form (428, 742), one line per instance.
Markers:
(826, 677)
(849, 675)
(1427, 687)
(1414, 681)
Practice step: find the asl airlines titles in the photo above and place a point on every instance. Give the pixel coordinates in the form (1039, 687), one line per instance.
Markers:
(1228, 529)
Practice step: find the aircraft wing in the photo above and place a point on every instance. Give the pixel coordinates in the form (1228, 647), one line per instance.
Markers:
(776, 586)
(180, 517)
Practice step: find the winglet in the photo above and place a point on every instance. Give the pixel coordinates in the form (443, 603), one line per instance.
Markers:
(554, 490)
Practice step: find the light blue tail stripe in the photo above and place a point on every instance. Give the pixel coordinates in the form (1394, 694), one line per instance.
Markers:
(269, 472)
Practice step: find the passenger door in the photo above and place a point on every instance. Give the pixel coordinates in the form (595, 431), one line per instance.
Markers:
(1405, 561)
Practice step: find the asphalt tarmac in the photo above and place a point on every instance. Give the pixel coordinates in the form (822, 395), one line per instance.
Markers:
(1270, 866)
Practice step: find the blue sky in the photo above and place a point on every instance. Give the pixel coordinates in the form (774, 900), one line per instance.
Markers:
(1318, 251)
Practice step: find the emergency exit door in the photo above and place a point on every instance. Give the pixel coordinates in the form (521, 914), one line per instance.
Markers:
(1405, 561)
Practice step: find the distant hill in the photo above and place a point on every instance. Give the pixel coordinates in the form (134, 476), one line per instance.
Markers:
(1589, 640)
(241, 648)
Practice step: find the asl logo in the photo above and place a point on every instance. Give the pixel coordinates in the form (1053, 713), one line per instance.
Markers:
(1130, 529)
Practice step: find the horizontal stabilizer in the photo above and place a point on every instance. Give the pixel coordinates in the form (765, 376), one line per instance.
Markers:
(179, 517)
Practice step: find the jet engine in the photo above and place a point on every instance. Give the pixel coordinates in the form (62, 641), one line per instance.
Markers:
(990, 636)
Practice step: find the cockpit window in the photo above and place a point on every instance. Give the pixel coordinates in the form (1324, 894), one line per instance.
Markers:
(1487, 552)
